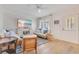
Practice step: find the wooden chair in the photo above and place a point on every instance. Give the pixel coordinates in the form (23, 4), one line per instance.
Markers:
(30, 43)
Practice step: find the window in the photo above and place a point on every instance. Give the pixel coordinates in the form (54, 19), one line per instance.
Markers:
(43, 26)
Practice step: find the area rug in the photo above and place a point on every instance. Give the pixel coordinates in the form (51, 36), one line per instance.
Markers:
(41, 41)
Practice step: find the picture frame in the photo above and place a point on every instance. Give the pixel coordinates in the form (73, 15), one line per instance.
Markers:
(56, 21)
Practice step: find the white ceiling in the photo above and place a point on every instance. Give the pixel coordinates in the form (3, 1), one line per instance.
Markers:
(32, 11)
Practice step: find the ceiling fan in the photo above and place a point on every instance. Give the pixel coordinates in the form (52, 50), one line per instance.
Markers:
(39, 7)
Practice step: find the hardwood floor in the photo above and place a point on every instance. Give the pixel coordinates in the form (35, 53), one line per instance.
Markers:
(57, 47)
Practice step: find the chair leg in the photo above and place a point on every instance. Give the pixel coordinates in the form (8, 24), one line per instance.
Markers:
(23, 46)
(0, 50)
(36, 46)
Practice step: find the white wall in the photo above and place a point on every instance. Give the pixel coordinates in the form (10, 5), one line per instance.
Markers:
(1, 23)
(34, 24)
(1, 19)
(59, 33)
(9, 21)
